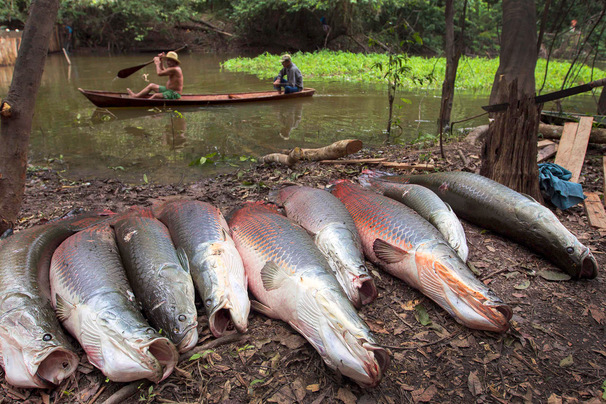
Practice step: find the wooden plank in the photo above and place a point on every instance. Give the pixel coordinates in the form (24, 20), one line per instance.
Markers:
(579, 148)
(566, 143)
(604, 177)
(355, 161)
(546, 152)
(595, 210)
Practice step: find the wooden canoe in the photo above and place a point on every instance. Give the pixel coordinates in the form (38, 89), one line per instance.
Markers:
(108, 99)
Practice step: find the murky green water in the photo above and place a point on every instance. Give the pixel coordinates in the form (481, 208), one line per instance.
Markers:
(135, 143)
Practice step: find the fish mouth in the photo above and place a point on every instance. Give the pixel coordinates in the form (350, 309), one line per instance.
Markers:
(589, 266)
(219, 319)
(366, 290)
(165, 354)
(189, 338)
(375, 369)
(57, 366)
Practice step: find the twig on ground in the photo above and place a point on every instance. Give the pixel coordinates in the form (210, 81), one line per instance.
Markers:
(127, 391)
(226, 339)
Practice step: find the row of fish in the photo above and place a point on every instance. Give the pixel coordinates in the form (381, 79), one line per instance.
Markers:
(108, 269)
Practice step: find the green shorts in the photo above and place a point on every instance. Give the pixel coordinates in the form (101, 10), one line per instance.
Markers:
(169, 94)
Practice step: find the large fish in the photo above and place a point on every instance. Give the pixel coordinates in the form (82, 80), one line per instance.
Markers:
(292, 281)
(34, 350)
(161, 282)
(427, 204)
(496, 207)
(201, 233)
(95, 303)
(407, 246)
(334, 232)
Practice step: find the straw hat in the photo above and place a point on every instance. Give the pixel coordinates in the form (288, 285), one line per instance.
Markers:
(172, 56)
(285, 58)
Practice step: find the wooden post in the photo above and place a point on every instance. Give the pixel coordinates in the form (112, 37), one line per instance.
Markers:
(69, 62)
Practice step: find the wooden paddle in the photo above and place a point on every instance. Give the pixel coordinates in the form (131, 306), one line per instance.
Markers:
(124, 73)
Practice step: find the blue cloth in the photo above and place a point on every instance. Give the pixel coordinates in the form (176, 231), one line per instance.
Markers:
(553, 179)
(287, 89)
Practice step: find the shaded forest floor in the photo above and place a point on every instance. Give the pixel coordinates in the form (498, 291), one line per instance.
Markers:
(555, 351)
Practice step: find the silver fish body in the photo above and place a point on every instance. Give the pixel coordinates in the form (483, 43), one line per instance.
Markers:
(407, 246)
(292, 281)
(427, 204)
(95, 303)
(335, 234)
(158, 278)
(200, 231)
(496, 207)
(34, 350)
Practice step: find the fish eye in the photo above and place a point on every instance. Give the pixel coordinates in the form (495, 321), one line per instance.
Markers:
(150, 331)
(65, 365)
(47, 337)
(208, 302)
(569, 250)
(181, 317)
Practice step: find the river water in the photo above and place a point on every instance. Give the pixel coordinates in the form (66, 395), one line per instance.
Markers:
(139, 145)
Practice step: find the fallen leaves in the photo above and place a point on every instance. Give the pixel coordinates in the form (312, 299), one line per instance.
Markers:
(423, 395)
(346, 396)
(554, 276)
(421, 315)
(523, 285)
(473, 383)
(567, 361)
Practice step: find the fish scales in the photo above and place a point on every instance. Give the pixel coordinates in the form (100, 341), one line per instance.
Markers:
(429, 206)
(334, 233)
(201, 232)
(34, 351)
(291, 280)
(93, 300)
(159, 281)
(496, 207)
(410, 248)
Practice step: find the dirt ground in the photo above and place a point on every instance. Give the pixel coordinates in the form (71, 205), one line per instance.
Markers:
(554, 352)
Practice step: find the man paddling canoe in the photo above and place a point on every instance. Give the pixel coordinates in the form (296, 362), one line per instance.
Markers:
(166, 65)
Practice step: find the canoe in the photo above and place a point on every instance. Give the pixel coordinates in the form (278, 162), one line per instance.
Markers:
(108, 99)
(559, 118)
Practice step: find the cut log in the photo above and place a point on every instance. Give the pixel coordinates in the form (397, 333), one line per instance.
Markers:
(354, 161)
(278, 158)
(595, 210)
(336, 150)
(604, 177)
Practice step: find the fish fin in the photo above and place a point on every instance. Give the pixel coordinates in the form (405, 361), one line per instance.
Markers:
(91, 342)
(63, 308)
(530, 197)
(263, 309)
(308, 313)
(273, 276)
(387, 252)
(183, 259)
(449, 208)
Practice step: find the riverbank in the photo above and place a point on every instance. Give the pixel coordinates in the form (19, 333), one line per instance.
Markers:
(554, 350)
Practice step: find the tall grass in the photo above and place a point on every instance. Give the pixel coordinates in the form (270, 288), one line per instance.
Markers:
(474, 74)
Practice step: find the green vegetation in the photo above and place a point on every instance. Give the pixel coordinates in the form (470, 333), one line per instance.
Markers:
(476, 74)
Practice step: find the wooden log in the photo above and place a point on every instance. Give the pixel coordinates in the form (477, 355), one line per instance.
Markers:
(597, 135)
(354, 161)
(278, 158)
(336, 150)
(546, 151)
(604, 177)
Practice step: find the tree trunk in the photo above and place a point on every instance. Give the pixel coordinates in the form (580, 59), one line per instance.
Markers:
(602, 103)
(452, 63)
(18, 108)
(509, 154)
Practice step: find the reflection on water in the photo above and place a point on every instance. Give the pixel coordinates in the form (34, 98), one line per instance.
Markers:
(130, 142)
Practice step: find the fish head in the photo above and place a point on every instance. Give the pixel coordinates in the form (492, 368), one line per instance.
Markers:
(177, 313)
(347, 345)
(35, 353)
(225, 295)
(125, 348)
(564, 248)
(449, 282)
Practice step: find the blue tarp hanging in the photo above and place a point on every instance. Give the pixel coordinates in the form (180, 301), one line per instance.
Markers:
(553, 180)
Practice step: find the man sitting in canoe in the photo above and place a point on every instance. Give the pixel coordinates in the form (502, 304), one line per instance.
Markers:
(294, 83)
(166, 65)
